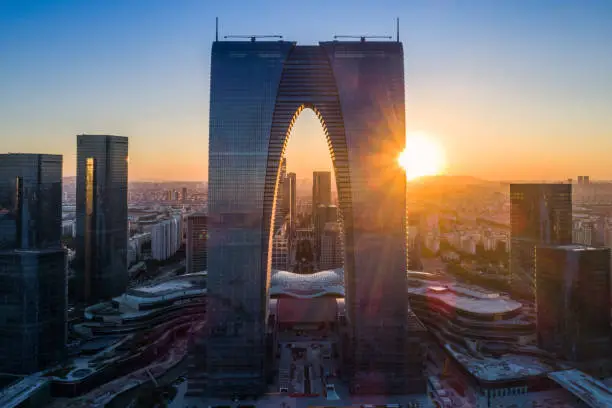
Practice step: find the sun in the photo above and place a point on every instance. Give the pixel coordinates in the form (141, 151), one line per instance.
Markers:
(421, 157)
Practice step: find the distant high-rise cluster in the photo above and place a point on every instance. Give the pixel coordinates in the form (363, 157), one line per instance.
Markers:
(584, 180)
(32, 263)
(101, 212)
(539, 214)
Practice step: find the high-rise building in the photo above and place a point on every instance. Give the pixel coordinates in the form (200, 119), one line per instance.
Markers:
(280, 250)
(321, 190)
(290, 200)
(357, 89)
(184, 194)
(279, 214)
(33, 285)
(322, 215)
(332, 252)
(539, 214)
(101, 213)
(166, 238)
(573, 301)
(197, 231)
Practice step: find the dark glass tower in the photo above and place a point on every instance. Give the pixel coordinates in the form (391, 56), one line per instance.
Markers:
(101, 211)
(290, 199)
(539, 214)
(195, 247)
(322, 215)
(573, 300)
(33, 287)
(321, 190)
(279, 213)
(357, 90)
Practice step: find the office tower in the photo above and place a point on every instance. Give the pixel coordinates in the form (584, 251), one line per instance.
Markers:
(331, 247)
(184, 194)
(290, 200)
(197, 231)
(357, 89)
(280, 250)
(322, 215)
(539, 214)
(279, 214)
(33, 279)
(573, 301)
(101, 213)
(321, 190)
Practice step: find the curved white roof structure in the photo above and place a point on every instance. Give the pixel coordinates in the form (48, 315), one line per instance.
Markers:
(323, 283)
(463, 297)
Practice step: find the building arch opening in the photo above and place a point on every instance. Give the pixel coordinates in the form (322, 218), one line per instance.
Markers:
(308, 229)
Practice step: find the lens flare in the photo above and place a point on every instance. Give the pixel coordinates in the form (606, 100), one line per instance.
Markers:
(421, 157)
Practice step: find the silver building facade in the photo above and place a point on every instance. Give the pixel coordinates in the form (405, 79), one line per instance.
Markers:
(101, 215)
(33, 291)
(257, 91)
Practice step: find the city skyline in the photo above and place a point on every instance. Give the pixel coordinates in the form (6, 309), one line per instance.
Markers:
(398, 204)
(542, 88)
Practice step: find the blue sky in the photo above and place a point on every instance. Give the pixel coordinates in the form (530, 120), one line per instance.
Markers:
(510, 89)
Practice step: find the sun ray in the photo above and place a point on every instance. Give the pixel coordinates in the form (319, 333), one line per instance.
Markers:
(421, 157)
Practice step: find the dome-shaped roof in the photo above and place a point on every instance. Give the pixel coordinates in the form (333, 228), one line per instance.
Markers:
(330, 282)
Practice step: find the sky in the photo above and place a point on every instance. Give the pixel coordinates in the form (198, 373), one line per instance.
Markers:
(511, 89)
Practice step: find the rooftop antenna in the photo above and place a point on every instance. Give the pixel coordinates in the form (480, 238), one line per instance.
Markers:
(253, 37)
(397, 28)
(216, 28)
(362, 38)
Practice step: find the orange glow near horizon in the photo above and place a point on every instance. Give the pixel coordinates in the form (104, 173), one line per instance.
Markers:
(423, 156)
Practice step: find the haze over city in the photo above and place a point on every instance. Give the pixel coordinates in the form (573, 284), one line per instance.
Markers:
(263, 204)
(526, 83)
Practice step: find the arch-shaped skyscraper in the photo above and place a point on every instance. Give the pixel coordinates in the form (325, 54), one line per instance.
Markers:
(257, 90)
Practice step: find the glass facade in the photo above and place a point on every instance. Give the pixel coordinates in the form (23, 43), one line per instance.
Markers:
(33, 294)
(572, 290)
(257, 91)
(321, 189)
(539, 214)
(195, 245)
(30, 200)
(101, 212)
